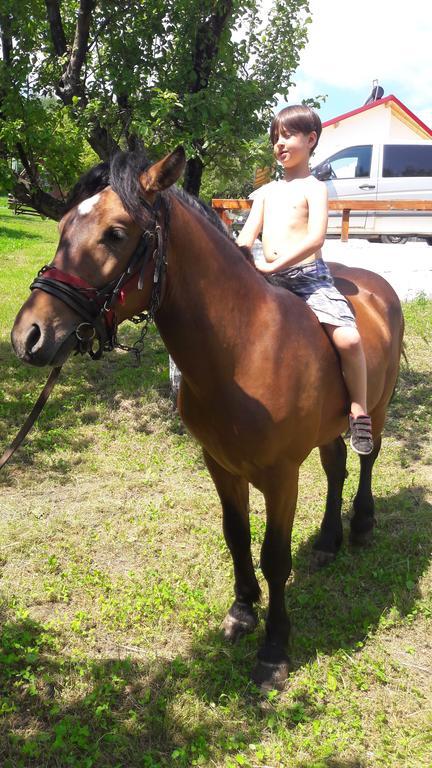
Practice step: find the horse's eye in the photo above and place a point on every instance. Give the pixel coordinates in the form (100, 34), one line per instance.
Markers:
(115, 234)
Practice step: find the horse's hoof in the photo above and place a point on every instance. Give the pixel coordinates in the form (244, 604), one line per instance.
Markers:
(361, 538)
(239, 621)
(269, 676)
(320, 559)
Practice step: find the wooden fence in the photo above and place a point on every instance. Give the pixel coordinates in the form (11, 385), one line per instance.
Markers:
(20, 208)
(345, 206)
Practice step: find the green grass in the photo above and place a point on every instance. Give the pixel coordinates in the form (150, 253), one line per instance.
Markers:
(115, 579)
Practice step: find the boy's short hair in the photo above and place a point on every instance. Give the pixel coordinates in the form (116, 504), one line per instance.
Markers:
(298, 119)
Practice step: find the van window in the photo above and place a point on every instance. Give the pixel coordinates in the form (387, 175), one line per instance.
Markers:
(352, 163)
(407, 160)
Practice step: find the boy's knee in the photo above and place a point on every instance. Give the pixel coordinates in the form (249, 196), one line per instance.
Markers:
(347, 339)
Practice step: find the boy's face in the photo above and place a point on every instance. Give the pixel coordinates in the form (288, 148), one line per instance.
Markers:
(293, 148)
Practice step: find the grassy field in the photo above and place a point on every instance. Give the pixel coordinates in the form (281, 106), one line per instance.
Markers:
(115, 579)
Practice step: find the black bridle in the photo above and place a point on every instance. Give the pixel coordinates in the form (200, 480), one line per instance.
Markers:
(96, 306)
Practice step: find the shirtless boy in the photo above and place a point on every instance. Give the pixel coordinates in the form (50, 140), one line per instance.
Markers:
(292, 216)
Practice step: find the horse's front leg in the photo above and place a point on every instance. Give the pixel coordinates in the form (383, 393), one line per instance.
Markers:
(233, 492)
(333, 459)
(280, 491)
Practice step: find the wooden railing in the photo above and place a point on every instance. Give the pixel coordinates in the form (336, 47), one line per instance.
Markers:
(346, 206)
(20, 208)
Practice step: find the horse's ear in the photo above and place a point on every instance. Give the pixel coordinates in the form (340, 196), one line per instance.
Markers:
(162, 174)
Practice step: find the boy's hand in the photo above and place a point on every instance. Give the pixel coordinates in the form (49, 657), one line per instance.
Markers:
(266, 267)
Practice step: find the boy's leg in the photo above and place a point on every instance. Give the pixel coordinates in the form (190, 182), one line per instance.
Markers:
(348, 343)
(314, 284)
(349, 346)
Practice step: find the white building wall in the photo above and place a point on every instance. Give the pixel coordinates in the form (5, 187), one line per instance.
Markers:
(402, 132)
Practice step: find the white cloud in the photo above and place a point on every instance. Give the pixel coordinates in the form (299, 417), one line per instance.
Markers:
(351, 44)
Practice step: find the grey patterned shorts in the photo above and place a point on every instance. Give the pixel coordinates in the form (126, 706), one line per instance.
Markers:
(314, 283)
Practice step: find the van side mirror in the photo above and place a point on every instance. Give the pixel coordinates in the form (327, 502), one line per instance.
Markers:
(324, 172)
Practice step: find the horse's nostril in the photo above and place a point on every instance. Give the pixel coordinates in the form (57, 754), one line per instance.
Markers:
(32, 339)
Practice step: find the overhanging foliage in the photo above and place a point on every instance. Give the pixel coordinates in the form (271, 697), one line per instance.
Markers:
(109, 75)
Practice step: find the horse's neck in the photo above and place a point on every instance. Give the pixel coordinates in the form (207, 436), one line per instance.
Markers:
(212, 294)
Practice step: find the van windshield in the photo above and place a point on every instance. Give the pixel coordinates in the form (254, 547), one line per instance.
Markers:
(351, 163)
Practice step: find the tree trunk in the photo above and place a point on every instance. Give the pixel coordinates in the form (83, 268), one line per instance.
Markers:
(206, 48)
(102, 142)
(56, 26)
(41, 201)
(193, 175)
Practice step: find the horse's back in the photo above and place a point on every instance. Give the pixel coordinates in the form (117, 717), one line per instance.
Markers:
(364, 287)
(379, 318)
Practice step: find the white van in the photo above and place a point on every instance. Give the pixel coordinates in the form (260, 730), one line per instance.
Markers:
(381, 172)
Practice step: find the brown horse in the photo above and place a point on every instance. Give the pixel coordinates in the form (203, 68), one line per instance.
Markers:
(261, 382)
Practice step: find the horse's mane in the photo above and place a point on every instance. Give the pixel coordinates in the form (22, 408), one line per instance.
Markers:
(123, 174)
(90, 183)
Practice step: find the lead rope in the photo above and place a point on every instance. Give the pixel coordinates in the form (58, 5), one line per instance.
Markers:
(31, 418)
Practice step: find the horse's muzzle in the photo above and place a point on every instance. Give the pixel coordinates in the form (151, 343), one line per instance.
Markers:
(39, 336)
(37, 346)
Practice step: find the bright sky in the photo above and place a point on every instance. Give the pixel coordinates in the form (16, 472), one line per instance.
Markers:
(352, 43)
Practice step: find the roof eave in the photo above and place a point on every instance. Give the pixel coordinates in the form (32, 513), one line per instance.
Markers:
(384, 100)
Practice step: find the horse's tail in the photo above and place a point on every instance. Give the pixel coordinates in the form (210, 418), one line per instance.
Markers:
(406, 361)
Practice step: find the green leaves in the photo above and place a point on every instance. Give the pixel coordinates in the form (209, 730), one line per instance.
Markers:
(204, 73)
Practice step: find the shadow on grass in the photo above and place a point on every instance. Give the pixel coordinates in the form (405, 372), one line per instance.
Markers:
(9, 233)
(409, 418)
(61, 710)
(129, 713)
(338, 607)
(87, 391)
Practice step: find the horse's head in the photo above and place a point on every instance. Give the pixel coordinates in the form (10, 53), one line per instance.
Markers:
(102, 272)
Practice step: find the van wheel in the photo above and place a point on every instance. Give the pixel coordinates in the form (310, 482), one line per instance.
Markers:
(395, 239)
(429, 240)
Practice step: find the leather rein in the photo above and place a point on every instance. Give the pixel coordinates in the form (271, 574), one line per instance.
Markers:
(96, 306)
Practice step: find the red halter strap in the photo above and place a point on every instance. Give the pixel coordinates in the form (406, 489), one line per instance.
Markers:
(68, 279)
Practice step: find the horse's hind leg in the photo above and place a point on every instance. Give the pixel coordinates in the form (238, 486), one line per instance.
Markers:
(333, 459)
(363, 519)
(233, 492)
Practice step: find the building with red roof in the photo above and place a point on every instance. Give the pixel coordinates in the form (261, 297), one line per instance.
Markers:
(385, 120)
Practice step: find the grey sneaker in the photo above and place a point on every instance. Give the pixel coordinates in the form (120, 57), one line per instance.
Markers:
(361, 434)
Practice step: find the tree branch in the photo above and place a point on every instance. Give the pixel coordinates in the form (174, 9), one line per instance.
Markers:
(56, 27)
(6, 53)
(6, 38)
(104, 24)
(27, 164)
(207, 44)
(205, 53)
(41, 201)
(101, 140)
(70, 83)
(27, 189)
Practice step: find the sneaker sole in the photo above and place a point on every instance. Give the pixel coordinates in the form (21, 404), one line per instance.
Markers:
(360, 453)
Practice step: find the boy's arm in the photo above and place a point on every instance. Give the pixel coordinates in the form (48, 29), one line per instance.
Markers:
(254, 223)
(317, 199)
